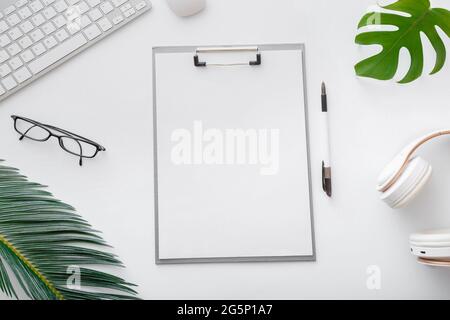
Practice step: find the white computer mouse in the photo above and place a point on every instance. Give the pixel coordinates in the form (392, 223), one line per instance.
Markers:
(185, 8)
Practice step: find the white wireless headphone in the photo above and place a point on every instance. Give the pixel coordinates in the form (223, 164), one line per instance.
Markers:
(399, 182)
(403, 178)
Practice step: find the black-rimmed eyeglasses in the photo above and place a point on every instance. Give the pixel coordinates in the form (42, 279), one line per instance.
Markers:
(70, 142)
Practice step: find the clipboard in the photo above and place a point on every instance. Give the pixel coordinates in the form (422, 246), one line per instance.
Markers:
(232, 177)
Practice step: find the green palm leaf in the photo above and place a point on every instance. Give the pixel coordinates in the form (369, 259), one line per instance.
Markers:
(41, 238)
(422, 19)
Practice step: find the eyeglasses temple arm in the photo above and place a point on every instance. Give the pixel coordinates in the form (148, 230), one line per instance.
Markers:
(81, 153)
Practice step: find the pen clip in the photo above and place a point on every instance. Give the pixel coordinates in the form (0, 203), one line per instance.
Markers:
(324, 185)
(326, 179)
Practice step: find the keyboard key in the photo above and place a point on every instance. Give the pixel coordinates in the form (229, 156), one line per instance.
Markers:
(38, 20)
(78, 24)
(50, 42)
(72, 2)
(14, 49)
(37, 35)
(95, 14)
(22, 75)
(48, 28)
(39, 49)
(36, 6)
(141, 5)
(125, 7)
(129, 13)
(73, 28)
(93, 3)
(26, 27)
(15, 63)
(4, 70)
(57, 53)
(49, 13)
(25, 13)
(105, 24)
(84, 21)
(48, 2)
(25, 42)
(83, 7)
(3, 56)
(9, 10)
(118, 3)
(61, 35)
(59, 21)
(106, 7)
(117, 19)
(15, 33)
(3, 26)
(21, 3)
(72, 13)
(4, 40)
(2, 91)
(92, 32)
(27, 55)
(13, 20)
(9, 83)
(60, 6)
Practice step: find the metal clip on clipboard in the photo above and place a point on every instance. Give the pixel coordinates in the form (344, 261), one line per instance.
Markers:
(199, 63)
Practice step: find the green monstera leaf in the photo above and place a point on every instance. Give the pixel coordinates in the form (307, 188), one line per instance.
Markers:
(421, 18)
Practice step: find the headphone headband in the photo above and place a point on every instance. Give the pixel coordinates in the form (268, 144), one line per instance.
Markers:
(406, 154)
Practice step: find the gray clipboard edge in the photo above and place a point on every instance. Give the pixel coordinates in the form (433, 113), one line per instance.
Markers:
(262, 47)
(308, 151)
(155, 159)
(236, 259)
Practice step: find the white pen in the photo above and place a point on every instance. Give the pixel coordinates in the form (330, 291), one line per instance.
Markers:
(326, 165)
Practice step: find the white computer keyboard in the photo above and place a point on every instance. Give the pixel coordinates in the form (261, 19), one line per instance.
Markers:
(38, 35)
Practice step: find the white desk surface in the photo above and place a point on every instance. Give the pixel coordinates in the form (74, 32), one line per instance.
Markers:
(105, 93)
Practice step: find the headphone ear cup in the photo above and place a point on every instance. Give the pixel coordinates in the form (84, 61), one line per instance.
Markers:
(431, 238)
(390, 169)
(409, 184)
